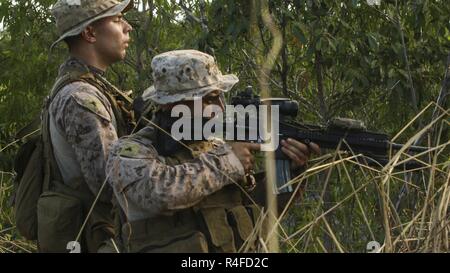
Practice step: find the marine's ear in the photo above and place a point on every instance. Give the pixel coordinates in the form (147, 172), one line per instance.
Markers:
(88, 34)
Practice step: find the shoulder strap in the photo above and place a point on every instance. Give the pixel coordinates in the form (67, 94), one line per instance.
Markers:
(51, 170)
(116, 91)
(73, 75)
(123, 114)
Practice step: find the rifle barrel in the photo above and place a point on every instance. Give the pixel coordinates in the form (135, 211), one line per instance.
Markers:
(412, 148)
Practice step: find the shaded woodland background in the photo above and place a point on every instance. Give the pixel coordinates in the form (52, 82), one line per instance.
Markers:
(379, 64)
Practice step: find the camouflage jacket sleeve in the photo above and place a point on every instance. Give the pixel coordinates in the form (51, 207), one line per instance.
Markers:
(85, 117)
(146, 186)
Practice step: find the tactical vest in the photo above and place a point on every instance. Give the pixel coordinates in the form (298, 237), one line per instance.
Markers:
(219, 223)
(62, 210)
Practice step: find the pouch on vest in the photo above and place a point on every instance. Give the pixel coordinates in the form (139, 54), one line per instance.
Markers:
(219, 229)
(244, 226)
(259, 221)
(98, 227)
(193, 243)
(174, 233)
(60, 218)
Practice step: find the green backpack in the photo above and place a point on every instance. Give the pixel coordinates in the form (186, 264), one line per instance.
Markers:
(28, 182)
(34, 166)
(47, 210)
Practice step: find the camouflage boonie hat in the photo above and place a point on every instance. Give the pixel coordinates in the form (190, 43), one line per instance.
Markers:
(184, 74)
(73, 16)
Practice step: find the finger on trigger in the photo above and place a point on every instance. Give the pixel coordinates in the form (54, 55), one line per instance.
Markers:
(302, 147)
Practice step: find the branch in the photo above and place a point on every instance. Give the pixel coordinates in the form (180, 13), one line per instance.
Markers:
(405, 55)
(284, 56)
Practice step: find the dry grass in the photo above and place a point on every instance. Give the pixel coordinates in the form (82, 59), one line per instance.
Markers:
(348, 204)
(10, 240)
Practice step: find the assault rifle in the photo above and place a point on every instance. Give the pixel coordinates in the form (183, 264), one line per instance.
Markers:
(340, 133)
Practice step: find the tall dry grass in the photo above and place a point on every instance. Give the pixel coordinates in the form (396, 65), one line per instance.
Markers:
(348, 204)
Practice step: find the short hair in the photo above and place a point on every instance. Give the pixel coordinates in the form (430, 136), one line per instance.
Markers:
(71, 41)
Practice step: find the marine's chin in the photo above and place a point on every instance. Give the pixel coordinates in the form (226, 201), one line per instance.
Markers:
(122, 55)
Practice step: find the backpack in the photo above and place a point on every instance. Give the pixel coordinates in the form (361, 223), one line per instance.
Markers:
(33, 167)
(47, 210)
(28, 181)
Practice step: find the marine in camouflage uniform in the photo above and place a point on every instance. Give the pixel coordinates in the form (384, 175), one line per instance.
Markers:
(82, 128)
(192, 199)
(85, 116)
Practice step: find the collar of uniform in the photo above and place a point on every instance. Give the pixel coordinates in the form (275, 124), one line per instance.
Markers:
(77, 61)
(96, 70)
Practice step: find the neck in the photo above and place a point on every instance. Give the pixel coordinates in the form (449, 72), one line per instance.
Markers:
(90, 58)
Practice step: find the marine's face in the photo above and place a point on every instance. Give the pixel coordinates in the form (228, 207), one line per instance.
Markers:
(213, 98)
(112, 38)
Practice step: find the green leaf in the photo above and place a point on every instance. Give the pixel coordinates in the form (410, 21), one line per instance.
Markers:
(319, 44)
(299, 33)
(353, 47)
(347, 26)
(331, 43)
(404, 73)
(372, 42)
(309, 52)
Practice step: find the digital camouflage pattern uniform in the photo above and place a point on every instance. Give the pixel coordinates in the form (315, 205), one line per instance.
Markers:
(82, 121)
(82, 128)
(191, 200)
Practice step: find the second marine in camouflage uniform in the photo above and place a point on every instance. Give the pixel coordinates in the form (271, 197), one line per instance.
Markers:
(190, 199)
(84, 119)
